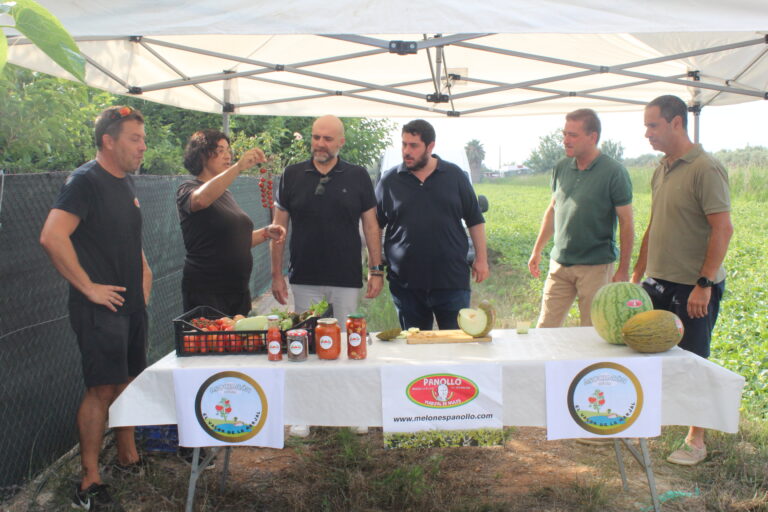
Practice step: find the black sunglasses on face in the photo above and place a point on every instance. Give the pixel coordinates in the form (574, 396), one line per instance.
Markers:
(320, 190)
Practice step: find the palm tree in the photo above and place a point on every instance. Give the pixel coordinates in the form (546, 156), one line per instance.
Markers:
(475, 155)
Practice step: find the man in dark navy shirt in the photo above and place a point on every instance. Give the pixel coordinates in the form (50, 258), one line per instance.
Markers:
(421, 203)
(93, 237)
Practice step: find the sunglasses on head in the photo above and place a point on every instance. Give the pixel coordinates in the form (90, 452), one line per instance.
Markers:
(320, 190)
(120, 113)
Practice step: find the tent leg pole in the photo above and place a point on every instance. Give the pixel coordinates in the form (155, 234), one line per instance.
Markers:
(696, 115)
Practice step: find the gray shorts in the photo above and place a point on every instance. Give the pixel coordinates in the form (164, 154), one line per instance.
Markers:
(345, 301)
(113, 347)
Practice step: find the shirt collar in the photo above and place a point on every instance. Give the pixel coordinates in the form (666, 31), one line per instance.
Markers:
(575, 166)
(339, 167)
(689, 157)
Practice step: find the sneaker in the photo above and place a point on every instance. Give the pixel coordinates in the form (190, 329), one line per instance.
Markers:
(595, 441)
(188, 453)
(688, 455)
(95, 497)
(298, 430)
(128, 470)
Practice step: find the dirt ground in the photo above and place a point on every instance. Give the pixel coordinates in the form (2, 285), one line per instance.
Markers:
(528, 463)
(526, 467)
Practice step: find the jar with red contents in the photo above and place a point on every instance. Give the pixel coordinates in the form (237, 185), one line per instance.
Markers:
(356, 337)
(274, 339)
(328, 338)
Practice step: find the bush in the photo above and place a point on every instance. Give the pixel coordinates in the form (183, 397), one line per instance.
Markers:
(550, 150)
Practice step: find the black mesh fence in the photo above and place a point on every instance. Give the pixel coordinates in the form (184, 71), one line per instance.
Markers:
(40, 374)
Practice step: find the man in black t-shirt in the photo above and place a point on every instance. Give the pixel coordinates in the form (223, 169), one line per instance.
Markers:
(325, 198)
(93, 237)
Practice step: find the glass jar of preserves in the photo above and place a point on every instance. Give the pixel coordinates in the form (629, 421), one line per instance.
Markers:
(274, 339)
(356, 337)
(328, 338)
(298, 344)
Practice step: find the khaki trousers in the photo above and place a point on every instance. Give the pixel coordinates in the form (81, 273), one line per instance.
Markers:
(564, 284)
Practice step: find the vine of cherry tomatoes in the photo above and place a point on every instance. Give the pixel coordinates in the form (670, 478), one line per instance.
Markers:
(265, 185)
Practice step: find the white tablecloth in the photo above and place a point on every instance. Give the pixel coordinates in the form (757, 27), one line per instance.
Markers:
(348, 393)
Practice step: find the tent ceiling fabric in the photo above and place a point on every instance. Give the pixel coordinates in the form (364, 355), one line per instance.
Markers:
(262, 59)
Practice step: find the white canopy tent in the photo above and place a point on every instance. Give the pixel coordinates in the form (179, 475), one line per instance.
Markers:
(416, 58)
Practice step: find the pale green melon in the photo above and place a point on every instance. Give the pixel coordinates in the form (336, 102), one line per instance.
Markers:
(477, 322)
(653, 331)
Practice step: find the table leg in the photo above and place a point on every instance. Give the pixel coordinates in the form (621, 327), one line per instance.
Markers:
(649, 474)
(197, 468)
(225, 471)
(620, 462)
(644, 459)
(193, 475)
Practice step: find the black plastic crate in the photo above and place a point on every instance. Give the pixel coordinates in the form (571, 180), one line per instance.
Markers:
(193, 341)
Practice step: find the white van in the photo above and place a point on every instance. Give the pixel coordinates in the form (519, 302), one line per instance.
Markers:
(393, 157)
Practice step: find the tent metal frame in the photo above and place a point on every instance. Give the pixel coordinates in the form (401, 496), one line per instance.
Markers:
(400, 93)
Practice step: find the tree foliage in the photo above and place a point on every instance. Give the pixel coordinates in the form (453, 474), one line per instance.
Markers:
(548, 152)
(645, 160)
(47, 125)
(475, 155)
(613, 149)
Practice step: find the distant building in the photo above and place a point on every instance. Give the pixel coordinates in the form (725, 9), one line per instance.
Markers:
(514, 170)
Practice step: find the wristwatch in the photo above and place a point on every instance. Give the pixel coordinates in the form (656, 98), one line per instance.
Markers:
(380, 268)
(704, 282)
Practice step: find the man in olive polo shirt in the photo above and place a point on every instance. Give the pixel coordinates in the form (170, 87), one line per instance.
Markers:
(686, 240)
(590, 193)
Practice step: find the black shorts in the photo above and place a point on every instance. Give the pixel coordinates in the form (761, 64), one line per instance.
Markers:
(113, 347)
(697, 334)
(230, 304)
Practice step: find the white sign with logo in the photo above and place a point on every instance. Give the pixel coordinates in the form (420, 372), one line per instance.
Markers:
(616, 398)
(243, 408)
(445, 397)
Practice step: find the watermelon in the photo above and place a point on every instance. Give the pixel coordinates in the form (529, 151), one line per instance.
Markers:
(613, 305)
(653, 331)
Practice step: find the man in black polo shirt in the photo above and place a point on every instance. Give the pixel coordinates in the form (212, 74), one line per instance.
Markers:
(422, 203)
(325, 198)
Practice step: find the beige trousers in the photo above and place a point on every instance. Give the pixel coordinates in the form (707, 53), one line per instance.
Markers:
(564, 284)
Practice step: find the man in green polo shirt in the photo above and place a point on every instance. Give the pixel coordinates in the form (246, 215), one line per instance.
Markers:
(686, 240)
(590, 193)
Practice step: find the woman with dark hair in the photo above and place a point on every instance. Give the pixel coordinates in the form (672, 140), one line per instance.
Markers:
(218, 234)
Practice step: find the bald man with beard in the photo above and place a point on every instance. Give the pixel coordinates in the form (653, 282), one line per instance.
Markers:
(325, 199)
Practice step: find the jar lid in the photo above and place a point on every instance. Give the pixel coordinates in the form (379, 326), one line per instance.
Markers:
(327, 321)
(296, 332)
(273, 317)
(356, 315)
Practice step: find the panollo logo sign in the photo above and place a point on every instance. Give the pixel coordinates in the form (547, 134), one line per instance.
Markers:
(441, 390)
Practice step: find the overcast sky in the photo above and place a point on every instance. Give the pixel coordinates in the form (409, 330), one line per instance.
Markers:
(512, 139)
